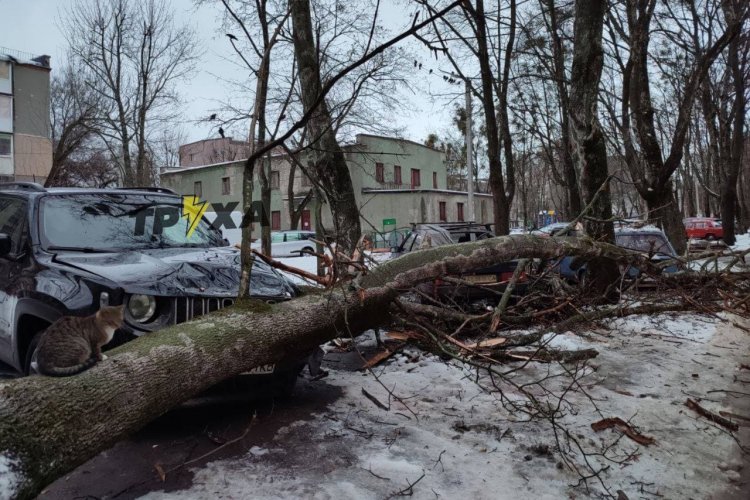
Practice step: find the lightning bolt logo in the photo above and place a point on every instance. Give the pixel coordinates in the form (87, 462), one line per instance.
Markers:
(193, 209)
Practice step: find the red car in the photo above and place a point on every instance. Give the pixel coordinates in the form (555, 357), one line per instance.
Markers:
(704, 228)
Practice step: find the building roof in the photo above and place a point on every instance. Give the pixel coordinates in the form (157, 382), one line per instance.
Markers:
(398, 139)
(24, 58)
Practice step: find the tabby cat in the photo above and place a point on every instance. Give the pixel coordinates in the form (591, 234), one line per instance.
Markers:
(72, 344)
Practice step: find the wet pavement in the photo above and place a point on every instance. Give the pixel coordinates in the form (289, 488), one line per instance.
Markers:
(161, 455)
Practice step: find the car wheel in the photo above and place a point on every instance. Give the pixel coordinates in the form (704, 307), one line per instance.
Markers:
(284, 384)
(30, 363)
(710, 237)
(307, 250)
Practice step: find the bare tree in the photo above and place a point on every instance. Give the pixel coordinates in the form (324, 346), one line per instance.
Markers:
(652, 155)
(134, 53)
(74, 121)
(724, 104)
(329, 168)
(590, 148)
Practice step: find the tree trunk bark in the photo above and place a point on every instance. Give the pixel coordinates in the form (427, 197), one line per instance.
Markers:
(590, 149)
(49, 426)
(736, 136)
(330, 169)
(664, 213)
(502, 185)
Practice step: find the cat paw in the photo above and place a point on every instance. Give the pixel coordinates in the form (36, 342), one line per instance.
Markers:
(104, 356)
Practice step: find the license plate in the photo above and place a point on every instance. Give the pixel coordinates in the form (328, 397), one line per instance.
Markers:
(261, 370)
(481, 278)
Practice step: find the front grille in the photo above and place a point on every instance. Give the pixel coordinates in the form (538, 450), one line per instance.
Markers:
(186, 308)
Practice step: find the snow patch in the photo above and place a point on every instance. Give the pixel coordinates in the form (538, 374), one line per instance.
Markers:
(567, 341)
(742, 242)
(10, 479)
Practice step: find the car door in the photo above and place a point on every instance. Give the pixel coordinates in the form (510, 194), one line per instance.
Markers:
(13, 280)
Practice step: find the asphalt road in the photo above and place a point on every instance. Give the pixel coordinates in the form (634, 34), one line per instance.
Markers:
(192, 435)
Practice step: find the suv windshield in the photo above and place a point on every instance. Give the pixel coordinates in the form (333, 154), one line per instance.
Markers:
(109, 221)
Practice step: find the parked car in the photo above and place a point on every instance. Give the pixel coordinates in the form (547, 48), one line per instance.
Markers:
(289, 243)
(494, 278)
(703, 228)
(66, 252)
(555, 229)
(648, 240)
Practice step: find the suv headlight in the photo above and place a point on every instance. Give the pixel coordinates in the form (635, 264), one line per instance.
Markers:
(142, 308)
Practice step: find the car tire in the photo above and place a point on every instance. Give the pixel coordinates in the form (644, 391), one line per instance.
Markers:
(710, 237)
(31, 353)
(307, 250)
(284, 384)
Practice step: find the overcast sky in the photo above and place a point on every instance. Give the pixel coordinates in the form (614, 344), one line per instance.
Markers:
(33, 26)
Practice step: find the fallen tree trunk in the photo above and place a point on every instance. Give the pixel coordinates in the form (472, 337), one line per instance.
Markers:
(49, 426)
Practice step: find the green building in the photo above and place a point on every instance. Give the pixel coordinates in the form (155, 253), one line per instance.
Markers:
(396, 182)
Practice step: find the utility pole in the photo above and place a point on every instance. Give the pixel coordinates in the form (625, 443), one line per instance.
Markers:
(469, 152)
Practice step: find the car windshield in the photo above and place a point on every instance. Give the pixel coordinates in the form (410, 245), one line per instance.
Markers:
(114, 221)
(651, 243)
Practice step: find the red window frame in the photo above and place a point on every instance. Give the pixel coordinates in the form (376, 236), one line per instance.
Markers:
(397, 174)
(379, 172)
(443, 211)
(275, 220)
(416, 180)
(460, 212)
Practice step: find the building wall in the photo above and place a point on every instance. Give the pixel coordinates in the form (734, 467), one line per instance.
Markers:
(210, 177)
(24, 117)
(32, 156)
(377, 201)
(31, 101)
(370, 150)
(210, 151)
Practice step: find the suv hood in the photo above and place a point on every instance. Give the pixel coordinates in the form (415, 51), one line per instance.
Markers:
(179, 272)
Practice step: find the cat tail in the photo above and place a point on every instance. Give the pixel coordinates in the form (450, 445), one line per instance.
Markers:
(54, 371)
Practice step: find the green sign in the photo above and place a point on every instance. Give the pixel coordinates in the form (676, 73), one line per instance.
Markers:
(389, 222)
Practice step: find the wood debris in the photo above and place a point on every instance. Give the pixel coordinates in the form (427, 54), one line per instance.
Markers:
(713, 417)
(382, 355)
(623, 427)
(487, 344)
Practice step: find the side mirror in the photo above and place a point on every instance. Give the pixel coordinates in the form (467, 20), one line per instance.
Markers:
(5, 244)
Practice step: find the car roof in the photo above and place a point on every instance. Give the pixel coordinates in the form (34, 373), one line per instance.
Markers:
(33, 190)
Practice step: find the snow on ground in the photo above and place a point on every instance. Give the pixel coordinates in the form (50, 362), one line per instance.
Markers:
(742, 242)
(450, 438)
(310, 264)
(9, 479)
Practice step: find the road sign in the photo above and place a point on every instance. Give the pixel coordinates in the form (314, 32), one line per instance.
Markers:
(389, 222)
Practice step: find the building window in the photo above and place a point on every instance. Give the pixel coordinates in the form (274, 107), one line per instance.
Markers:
(226, 185)
(443, 216)
(6, 145)
(4, 70)
(415, 178)
(434, 180)
(6, 113)
(379, 172)
(460, 212)
(275, 179)
(192, 156)
(397, 174)
(198, 189)
(275, 220)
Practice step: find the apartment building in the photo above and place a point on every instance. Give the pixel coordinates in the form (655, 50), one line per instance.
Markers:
(396, 182)
(25, 144)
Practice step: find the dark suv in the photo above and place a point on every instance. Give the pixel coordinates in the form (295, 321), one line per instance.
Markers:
(69, 251)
